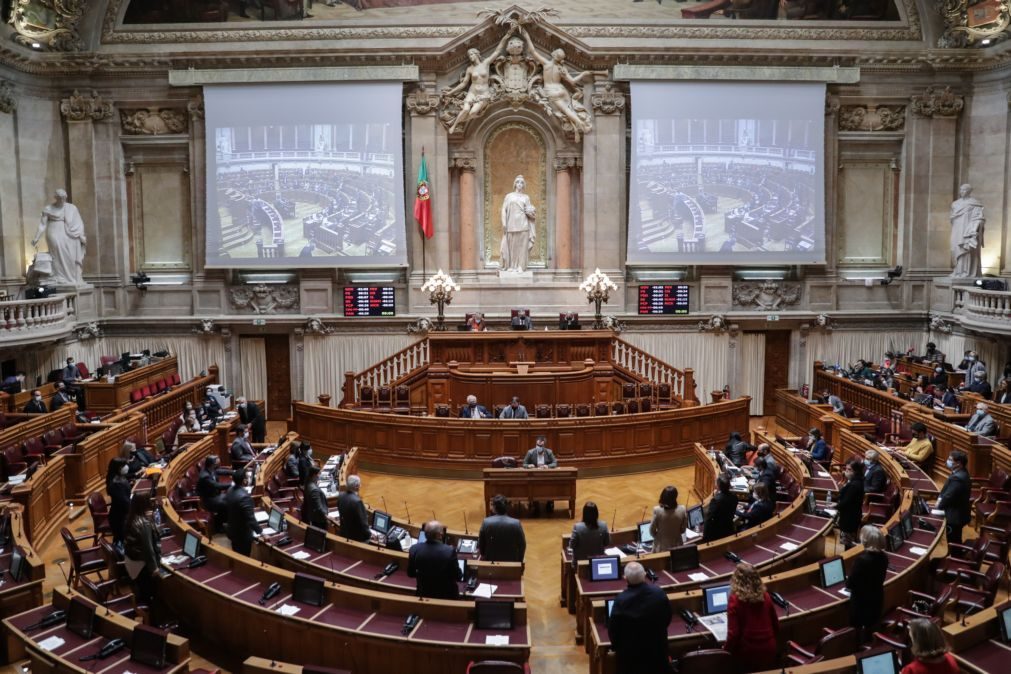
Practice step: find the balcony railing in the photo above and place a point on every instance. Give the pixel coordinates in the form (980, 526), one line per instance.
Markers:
(983, 307)
(32, 319)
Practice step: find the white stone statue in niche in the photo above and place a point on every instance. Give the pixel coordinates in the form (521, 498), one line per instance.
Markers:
(476, 77)
(63, 228)
(518, 232)
(966, 233)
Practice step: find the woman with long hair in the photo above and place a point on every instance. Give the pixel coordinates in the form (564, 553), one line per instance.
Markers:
(669, 521)
(929, 649)
(117, 484)
(866, 582)
(590, 536)
(851, 503)
(142, 547)
(752, 623)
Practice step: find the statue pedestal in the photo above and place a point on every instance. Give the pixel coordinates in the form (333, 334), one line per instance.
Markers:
(516, 277)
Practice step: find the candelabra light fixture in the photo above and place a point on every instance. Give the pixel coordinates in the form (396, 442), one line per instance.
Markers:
(440, 288)
(598, 287)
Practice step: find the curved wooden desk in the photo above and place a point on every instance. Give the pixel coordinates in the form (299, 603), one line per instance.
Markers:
(463, 447)
(16, 597)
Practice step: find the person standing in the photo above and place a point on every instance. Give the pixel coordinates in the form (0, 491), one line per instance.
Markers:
(242, 525)
(929, 649)
(589, 536)
(752, 623)
(719, 520)
(251, 415)
(638, 625)
(866, 582)
(435, 565)
(142, 548)
(314, 500)
(354, 519)
(514, 410)
(669, 522)
(117, 484)
(955, 496)
(501, 538)
(851, 502)
(211, 491)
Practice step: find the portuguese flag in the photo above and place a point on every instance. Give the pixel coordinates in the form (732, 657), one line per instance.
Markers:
(422, 202)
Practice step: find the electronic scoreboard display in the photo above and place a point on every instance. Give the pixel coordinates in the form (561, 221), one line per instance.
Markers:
(663, 299)
(369, 301)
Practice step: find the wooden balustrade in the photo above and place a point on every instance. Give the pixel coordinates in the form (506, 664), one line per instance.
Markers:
(983, 453)
(881, 403)
(87, 464)
(16, 597)
(37, 425)
(386, 372)
(43, 498)
(651, 369)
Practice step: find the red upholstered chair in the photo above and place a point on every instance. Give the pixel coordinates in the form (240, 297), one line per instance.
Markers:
(601, 410)
(919, 605)
(384, 402)
(645, 405)
(835, 644)
(998, 539)
(83, 561)
(34, 451)
(160, 386)
(402, 400)
(632, 406)
(145, 391)
(176, 379)
(83, 369)
(542, 411)
(618, 407)
(53, 441)
(645, 390)
(582, 410)
(663, 397)
(442, 411)
(367, 397)
(12, 461)
(706, 661)
(99, 510)
(976, 590)
(504, 462)
(108, 360)
(136, 395)
(497, 667)
(628, 391)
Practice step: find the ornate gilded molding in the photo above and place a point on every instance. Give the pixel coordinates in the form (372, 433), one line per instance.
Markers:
(51, 24)
(464, 161)
(717, 323)
(315, 326)
(152, 122)
(768, 295)
(983, 23)
(80, 107)
(8, 104)
(264, 299)
(196, 107)
(872, 117)
(608, 101)
(936, 102)
(421, 103)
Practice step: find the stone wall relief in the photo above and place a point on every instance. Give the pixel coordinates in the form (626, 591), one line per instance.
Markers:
(872, 117)
(8, 103)
(153, 121)
(265, 299)
(767, 295)
(80, 107)
(937, 102)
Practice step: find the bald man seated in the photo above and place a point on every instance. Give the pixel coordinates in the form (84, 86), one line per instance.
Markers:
(434, 564)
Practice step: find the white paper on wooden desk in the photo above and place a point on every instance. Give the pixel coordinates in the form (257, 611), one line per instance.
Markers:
(844, 592)
(334, 513)
(789, 547)
(936, 513)
(261, 516)
(690, 534)
(831, 511)
(497, 640)
(301, 554)
(698, 576)
(822, 473)
(715, 623)
(267, 531)
(916, 550)
(288, 609)
(51, 643)
(615, 552)
(484, 590)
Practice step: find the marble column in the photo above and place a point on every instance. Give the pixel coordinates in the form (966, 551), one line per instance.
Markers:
(427, 134)
(465, 165)
(564, 166)
(198, 183)
(604, 182)
(12, 244)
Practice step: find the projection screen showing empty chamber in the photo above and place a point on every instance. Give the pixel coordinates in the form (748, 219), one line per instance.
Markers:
(727, 173)
(305, 175)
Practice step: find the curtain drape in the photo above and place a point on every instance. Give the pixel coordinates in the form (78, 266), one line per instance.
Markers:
(845, 346)
(195, 354)
(328, 357)
(752, 364)
(253, 368)
(995, 354)
(705, 353)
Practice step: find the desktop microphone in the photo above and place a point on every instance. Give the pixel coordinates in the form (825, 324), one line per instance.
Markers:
(408, 512)
(466, 529)
(975, 605)
(643, 515)
(60, 564)
(614, 519)
(384, 504)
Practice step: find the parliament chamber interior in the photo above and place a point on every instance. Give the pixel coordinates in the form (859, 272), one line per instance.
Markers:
(458, 337)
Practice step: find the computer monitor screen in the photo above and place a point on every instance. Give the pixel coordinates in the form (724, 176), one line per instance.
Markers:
(307, 589)
(907, 524)
(493, 615)
(276, 519)
(610, 607)
(148, 646)
(879, 663)
(832, 572)
(645, 535)
(810, 502)
(695, 517)
(315, 539)
(1004, 620)
(81, 617)
(895, 538)
(716, 598)
(422, 537)
(191, 545)
(604, 568)
(381, 522)
(684, 558)
(17, 564)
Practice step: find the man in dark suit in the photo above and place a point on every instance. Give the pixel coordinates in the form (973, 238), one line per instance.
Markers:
(307, 249)
(211, 491)
(638, 625)
(242, 451)
(291, 467)
(252, 416)
(539, 456)
(305, 460)
(719, 521)
(473, 410)
(60, 399)
(354, 520)
(242, 525)
(955, 496)
(315, 501)
(875, 478)
(434, 564)
(501, 538)
(980, 386)
(211, 405)
(36, 405)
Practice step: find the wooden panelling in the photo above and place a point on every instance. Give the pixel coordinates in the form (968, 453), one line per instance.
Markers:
(86, 466)
(103, 397)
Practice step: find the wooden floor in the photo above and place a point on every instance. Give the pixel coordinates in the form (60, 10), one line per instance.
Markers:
(457, 503)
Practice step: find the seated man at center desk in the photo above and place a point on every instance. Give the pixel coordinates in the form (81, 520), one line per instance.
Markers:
(540, 456)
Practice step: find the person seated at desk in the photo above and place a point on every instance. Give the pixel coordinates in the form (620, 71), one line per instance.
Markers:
(61, 398)
(501, 538)
(980, 386)
(919, 448)
(191, 424)
(736, 449)
(434, 564)
(590, 536)
(816, 447)
(243, 528)
(354, 519)
(929, 649)
(719, 521)
(315, 510)
(137, 458)
(1003, 394)
(761, 508)
(473, 410)
(514, 410)
(765, 452)
(940, 377)
(569, 321)
(638, 624)
(981, 422)
(36, 405)
(242, 451)
(539, 456)
(521, 321)
(768, 474)
(932, 355)
(211, 405)
(475, 323)
(211, 491)
(950, 398)
(875, 477)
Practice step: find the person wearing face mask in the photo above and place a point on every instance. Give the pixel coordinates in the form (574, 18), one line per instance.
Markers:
(1003, 396)
(980, 386)
(972, 364)
(950, 398)
(305, 460)
(851, 500)
(761, 509)
(253, 418)
(939, 378)
(875, 478)
(932, 354)
(838, 406)
(211, 405)
(36, 405)
(474, 411)
(192, 423)
(291, 467)
(955, 496)
(919, 448)
(817, 447)
(242, 451)
(981, 422)
(117, 484)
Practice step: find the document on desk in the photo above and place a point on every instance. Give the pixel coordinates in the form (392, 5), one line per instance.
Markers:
(614, 552)
(262, 515)
(267, 531)
(301, 554)
(822, 473)
(336, 514)
(51, 643)
(831, 512)
(739, 483)
(288, 609)
(789, 547)
(715, 623)
(936, 513)
(916, 550)
(691, 534)
(172, 560)
(484, 590)
(496, 640)
(698, 576)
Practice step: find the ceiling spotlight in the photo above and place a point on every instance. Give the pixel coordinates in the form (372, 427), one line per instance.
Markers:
(985, 42)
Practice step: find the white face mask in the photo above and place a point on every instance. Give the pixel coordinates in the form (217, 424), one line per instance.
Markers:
(124, 470)
(38, 397)
(950, 464)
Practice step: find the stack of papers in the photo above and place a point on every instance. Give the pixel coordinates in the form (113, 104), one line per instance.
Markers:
(172, 560)
(698, 576)
(715, 623)
(484, 590)
(288, 609)
(261, 516)
(301, 554)
(497, 640)
(614, 552)
(936, 513)
(916, 550)
(691, 534)
(789, 547)
(51, 643)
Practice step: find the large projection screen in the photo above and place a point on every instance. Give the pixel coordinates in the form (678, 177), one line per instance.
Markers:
(305, 175)
(727, 173)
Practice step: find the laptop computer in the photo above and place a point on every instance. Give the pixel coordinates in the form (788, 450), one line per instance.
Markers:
(276, 519)
(494, 615)
(381, 522)
(643, 534)
(604, 568)
(695, 517)
(191, 545)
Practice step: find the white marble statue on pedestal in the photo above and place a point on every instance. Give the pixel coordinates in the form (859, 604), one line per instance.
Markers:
(63, 228)
(966, 233)
(518, 232)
